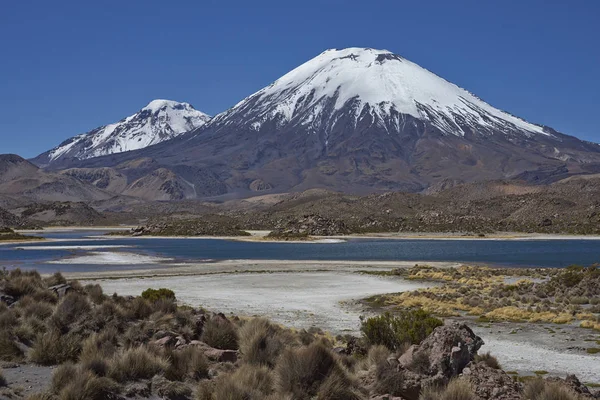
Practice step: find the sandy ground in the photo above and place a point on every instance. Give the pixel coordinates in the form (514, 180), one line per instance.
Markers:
(325, 294)
(230, 267)
(558, 349)
(300, 300)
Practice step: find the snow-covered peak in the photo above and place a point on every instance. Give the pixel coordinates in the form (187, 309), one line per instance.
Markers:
(160, 120)
(158, 104)
(378, 82)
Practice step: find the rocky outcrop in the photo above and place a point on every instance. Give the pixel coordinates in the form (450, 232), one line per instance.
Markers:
(443, 355)
(491, 383)
(572, 382)
(310, 225)
(447, 351)
(208, 225)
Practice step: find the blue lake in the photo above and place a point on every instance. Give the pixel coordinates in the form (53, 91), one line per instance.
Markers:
(518, 253)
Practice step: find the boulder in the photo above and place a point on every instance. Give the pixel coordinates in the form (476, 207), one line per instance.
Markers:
(573, 383)
(446, 351)
(491, 384)
(440, 357)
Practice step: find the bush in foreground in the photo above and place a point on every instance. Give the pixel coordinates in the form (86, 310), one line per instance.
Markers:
(158, 294)
(393, 331)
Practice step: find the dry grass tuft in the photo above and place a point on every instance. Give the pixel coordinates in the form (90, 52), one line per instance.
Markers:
(457, 389)
(135, 364)
(246, 383)
(261, 342)
(220, 333)
(53, 348)
(72, 383)
(488, 359)
(188, 363)
(301, 372)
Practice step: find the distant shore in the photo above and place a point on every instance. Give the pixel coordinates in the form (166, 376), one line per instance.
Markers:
(261, 236)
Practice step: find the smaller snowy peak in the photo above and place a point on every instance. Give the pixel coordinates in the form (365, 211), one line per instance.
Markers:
(157, 122)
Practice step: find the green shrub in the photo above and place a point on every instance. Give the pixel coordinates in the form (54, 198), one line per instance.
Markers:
(158, 294)
(409, 326)
(220, 333)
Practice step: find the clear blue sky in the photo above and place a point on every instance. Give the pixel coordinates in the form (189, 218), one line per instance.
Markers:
(69, 66)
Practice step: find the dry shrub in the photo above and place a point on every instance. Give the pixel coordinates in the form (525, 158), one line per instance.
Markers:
(247, 383)
(457, 389)
(171, 390)
(338, 386)
(42, 396)
(489, 360)
(300, 372)
(21, 283)
(56, 279)
(53, 348)
(138, 308)
(26, 333)
(261, 342)
(220, 333)
(376, 355)
(9, 351)
(95, 293)
(538, 389)
(71, 309)
(97, 349)
(2, 379)
(8, 318)
(99, 345)
(72, 383)
(388, 379)
(135, 364)
(189, 362)
(205, 390)
(32, 308)
(137, 334)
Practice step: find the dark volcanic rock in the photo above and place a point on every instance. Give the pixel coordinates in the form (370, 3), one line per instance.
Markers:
(310, 225)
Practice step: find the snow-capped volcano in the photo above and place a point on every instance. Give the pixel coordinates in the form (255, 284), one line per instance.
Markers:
(160, 120)
(359, 81)
(356, 120)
